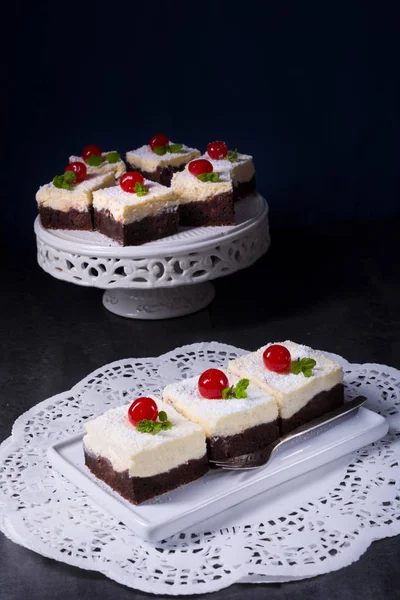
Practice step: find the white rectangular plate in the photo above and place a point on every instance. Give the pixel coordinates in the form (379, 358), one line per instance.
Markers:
(218, 490)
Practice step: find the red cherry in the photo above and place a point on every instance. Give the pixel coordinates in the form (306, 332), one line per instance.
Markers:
(197, 167)
(158, 140)
(211, 383)
(79, 169)
(277, 358)
(129, 180)
(88, 151)
(142, 408)
(217, 150)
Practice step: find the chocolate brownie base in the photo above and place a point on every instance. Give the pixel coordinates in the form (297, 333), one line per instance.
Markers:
(69, 219)
(249, 440)
(244, 188)
(320, 404)
(218, 210)
(140, 489)
(139, 232)
(161, 175)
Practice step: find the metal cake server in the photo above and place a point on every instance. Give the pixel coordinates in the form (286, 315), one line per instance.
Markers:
(255, 460)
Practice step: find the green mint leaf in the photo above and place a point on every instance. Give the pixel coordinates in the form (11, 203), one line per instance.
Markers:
(296, 367)
(65, 180)
(203, 177)
(165, 425)
(160, 150)
(94, 160)
(157, 427)
(59, 182)
(69, 177)
(213, 177)
(232, 155)
(174, 148)
(162, 415)
(240, 388)
(308, 363)
(148, 426)
(140, 189)
(305, 366)
(113, 157)
(227, 393)
(145, 426)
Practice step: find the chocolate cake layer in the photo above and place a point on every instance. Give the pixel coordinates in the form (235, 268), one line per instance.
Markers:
(69, 219)
(161, 175)
(218, 210)
(140, 489)
(139, 232)
(320, 404)
(244, 188)
(249, 440)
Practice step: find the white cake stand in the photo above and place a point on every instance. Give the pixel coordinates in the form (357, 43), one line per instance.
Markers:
(162, 279)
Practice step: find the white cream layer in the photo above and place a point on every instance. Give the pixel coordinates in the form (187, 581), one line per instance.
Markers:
(127, 207)
(145, 159)
(118, 168)
(112, 436)
(79, 197)
(241, 171)
(189, 188)
(291, 391)
(221, 417)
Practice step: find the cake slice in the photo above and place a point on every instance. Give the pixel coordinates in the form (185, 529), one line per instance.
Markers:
(239, 166)
(160, 159)
(246, 421)
(142, 452)
(205, 194)
(305, 382)
(135, 217)
(66, 203)
(99, 163)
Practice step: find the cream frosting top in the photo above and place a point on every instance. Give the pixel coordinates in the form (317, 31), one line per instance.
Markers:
(127, 207)
(241, 170)
(144, 158)
(288, 386)
(221, 417)
(189, 188)
(79, 197)
(119, 167)
(113, 436)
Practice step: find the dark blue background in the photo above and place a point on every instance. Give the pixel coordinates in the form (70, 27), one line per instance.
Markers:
(310, 90)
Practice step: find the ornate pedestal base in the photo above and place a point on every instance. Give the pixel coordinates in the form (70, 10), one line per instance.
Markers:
(159, 303)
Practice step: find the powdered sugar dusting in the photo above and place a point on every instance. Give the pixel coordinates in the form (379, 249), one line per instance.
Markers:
(253, 365)
(115, 429)
(227, 164)
(221, 417)
(146, 152)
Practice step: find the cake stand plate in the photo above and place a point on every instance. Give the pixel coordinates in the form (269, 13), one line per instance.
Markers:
(161, 279)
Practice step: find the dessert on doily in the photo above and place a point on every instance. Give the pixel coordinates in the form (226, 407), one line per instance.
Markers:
(237, 418)
(66, 202)
(204, 193)
(215, 415)
(142, 451)
(98, 162)
(240, 167)
(136, 211)
(160, 159)
(305, 383)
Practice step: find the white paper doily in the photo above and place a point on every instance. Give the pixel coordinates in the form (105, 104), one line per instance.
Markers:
(311, 525)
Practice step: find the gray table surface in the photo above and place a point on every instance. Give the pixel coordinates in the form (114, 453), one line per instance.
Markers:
(334, 287)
